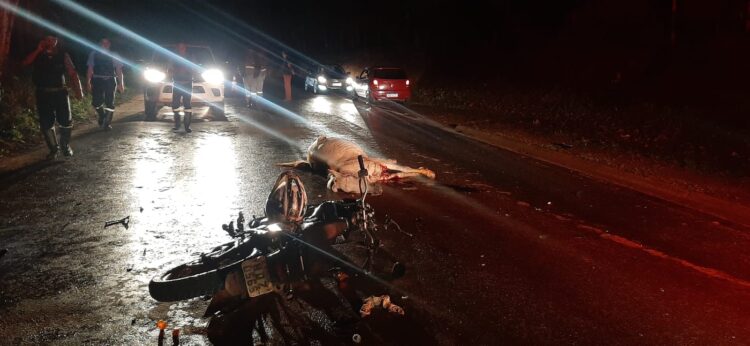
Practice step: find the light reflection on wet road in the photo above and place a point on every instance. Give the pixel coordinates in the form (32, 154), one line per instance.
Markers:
(498, 236)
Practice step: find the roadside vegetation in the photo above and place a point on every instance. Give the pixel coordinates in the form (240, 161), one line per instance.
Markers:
(19, 124)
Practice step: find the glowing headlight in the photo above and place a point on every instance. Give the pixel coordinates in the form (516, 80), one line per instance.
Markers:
(153, 75)
(349, 80)
(321, 79)
(213, 76)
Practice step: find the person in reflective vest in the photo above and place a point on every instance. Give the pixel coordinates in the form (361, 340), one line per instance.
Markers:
(253, 76)
(51, 66)
(104, 76)
(182, 87)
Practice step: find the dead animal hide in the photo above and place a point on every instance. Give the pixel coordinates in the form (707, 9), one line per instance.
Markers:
(338, 157)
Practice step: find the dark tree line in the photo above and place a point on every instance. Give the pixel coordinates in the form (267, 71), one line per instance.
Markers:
(539, 39)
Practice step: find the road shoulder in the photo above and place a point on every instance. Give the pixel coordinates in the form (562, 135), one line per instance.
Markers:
(705, 194)
(37, 154)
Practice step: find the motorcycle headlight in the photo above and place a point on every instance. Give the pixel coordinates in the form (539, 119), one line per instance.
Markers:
(321, 79)
(153, 75)
(349, 80)
(213, 76)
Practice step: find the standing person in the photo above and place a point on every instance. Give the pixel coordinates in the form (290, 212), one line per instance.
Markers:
(254, 75)
(287, 71)
(50, 65)
(104, 75)
(182, 88)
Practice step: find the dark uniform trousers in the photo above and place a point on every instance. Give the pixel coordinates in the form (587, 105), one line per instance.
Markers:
(182, 93)
(103, 92)
(53, 104)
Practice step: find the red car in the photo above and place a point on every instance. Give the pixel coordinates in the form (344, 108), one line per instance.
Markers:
(382, 83)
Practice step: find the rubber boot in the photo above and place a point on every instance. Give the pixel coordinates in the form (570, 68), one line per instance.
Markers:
(50, 137)
(101, 115)
(65, 133)
(188, 120)
(177, 120)
(108, 120)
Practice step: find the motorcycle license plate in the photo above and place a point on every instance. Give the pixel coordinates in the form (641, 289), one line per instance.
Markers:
(256, 276)
(391, 95)
(336, 84)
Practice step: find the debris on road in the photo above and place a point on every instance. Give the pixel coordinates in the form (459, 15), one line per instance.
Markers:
(176, 336)
(161, 325)
(356, 338)
(390, 222)
(124, 222)
(418, 223)
(373, 302)
(563, 145)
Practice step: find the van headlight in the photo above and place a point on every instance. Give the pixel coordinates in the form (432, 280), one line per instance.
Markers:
(213, 76)
(153, 75)
(349, 80)
(321, 80)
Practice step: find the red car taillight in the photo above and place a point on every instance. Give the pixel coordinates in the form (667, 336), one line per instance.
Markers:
(407, 82)
(375, 82)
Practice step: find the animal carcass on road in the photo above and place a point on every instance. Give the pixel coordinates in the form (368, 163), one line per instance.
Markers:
(338, 157)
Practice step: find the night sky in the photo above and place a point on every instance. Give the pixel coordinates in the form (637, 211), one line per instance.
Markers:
(571, 42)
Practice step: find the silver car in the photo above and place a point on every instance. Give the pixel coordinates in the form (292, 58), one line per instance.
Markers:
(328, 78)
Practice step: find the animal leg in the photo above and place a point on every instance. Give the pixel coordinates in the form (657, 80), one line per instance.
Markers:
(405, 171)
(403, 175)
(299, 164)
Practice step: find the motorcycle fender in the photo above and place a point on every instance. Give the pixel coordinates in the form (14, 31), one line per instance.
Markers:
(228, 298)
(234, 284)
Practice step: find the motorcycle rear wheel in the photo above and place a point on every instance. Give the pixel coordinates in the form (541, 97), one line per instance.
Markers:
(199, 277)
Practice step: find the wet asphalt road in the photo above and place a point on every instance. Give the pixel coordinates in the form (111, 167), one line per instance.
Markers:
(505, 249)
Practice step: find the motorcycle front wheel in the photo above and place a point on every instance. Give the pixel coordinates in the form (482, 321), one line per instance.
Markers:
(203, 276)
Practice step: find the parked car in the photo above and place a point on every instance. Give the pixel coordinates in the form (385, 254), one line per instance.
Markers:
(382, 83)
(328, 78)
(208, 85)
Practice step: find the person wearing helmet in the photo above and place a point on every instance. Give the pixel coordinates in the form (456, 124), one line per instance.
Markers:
(287, 202)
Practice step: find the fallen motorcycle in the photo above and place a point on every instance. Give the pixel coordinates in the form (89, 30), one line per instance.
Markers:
(291, 244)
